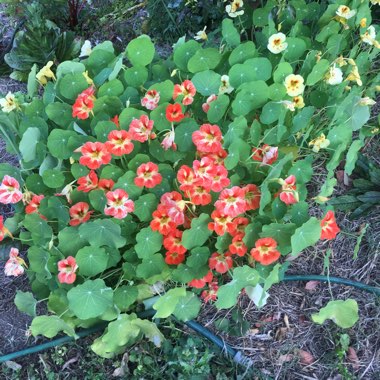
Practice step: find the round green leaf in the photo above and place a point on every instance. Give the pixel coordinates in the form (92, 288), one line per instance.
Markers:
(295, 50)
(183, 134)
(241, 53)
(260, 17)
(111, 88)
(277, 91)
(343, 313)
(140, 51)
(230, 33)
(72, 84)
(271, 112)
(183, 53)
(91, 260)
(53, 178)
(204, 59)
(218, 108)
(145, 206)
(148, 242)
(188, 307)
(125, 296)
(90, 299)
(136, 76)
(57, 143)
(207, 82)
(60, 113)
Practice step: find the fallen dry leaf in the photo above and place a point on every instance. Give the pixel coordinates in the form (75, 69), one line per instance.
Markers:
(285, 358)
(311, 285)
(306, 358)
(70, 361)
(353, 358)
(286, 321)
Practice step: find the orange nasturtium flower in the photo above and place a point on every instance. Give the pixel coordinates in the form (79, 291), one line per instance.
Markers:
(329, 227)
(265, 251)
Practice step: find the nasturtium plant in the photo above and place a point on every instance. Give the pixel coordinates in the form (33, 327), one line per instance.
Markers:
(185, 177)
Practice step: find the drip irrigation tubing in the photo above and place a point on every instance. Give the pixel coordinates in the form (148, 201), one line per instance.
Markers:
(237, 356)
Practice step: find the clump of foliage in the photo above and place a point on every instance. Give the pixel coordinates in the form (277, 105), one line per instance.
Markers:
(183, 177)
(171, 19)
(38, 42)
(365, 192)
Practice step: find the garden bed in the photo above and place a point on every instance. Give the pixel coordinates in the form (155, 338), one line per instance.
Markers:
(281, 339)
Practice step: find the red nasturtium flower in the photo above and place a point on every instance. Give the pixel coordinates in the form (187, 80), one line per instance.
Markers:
(221, 223)
(94, 155)
(231, 201)
(148, 175)
(187, 90)
(10, 190)
(84, 104)
(174, 113)
(3, 230)
(220, 262)
(329, 227)
(34, 204)
(289, 194)
(141, 129)
(252, 197)
(88, 182)
(106, 184)
(174, 258)
(79, 213)
(172, 242)
(175, 205)
(210, 294)
(15, 265)
(265, 251)
(237, 247)
(119, 142)
(200, 283)
(150, 100)
(118, 204)
(67, 269)
(168, 141)
(237, 227)
(115, 120)
(266, 154)
(208, 138)
(161, 221)
(210, 99)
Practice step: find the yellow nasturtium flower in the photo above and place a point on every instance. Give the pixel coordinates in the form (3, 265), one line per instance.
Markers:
(234, 9)
(369, 37)
(201, 35)
(319, 143)
(225, 87)
(88, 79)
(340, 61)
(334, 76)
(374, 2)
(276, 43)
(294, 85)
(366, 101)
(354, 76)
(9, 103)
(363, 22)
(45, 73)
(345, 12)
(298, 101)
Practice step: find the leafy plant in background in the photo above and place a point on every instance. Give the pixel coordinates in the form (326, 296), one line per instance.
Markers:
(171, 19)
(186, 176)
(365, 192)
(40, 41)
